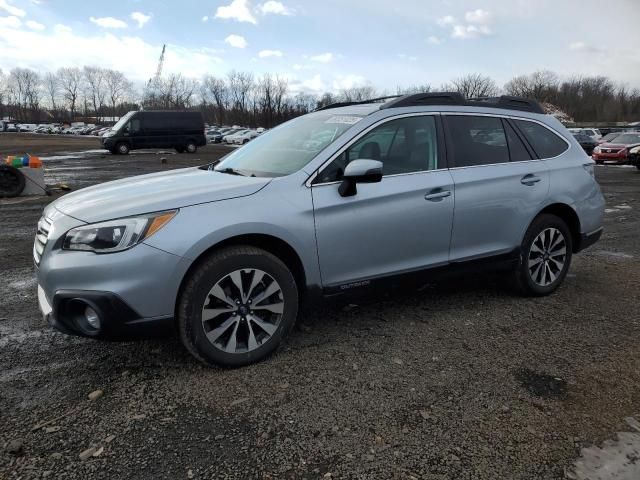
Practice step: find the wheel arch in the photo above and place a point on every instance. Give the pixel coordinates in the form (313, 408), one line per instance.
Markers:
(570, 217)
(270, 243)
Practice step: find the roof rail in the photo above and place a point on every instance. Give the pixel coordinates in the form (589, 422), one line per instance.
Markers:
(362, 102)
(429, 98)
(507, 101)
(454, 98)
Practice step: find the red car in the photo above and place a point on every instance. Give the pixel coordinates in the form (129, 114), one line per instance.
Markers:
(617, 150)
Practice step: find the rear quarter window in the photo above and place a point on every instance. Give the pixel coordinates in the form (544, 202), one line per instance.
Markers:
(544, 142)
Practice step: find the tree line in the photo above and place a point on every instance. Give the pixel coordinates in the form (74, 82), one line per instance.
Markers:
(244, 98)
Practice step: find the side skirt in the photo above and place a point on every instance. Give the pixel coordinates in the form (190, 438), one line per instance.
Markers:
(503, 262)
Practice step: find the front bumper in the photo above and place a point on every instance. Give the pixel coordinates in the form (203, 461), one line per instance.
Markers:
(134, 291)
(609, 157)
(118, 321)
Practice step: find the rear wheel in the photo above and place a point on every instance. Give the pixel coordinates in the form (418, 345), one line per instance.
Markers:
(237, 306)
(545, 256)
(122, 148)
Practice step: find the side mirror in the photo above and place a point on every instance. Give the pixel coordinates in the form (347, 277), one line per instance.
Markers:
(359, 171)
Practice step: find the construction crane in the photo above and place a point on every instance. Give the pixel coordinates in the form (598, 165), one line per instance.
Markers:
(154, 82)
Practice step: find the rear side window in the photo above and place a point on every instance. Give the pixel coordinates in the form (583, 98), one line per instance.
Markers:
(476, 140)
(545, 143)
(517, 151)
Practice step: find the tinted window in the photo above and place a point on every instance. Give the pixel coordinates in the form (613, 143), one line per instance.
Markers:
(476, 140)
(403, 146)
(517, 151)
(545, 143)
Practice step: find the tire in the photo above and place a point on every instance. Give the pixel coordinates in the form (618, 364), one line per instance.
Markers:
(191, 147)
(122, 148)
(231, 328)
(12, 181)
(545, 256)
(245, 141)
(180, 149)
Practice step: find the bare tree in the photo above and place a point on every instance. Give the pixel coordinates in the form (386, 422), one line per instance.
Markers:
(215, 90)
(24, 85)
(117, 88)
(70, 81)
(473, 85)
(424, 88)
(240, 86)
(96, 89)
(358, 94)
(541, 85)
(52, 90)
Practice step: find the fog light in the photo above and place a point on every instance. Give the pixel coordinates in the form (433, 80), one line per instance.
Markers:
(92, 318)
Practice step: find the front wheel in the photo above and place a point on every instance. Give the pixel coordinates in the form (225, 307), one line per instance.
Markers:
(191, 147)
(122, 148)
(545, 256)
(237, 306)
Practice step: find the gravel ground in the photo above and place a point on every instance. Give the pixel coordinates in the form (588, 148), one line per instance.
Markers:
(459, 379)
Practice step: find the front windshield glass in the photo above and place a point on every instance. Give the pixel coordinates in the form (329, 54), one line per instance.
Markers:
(627, 138)
(122, 121)
(289, 147)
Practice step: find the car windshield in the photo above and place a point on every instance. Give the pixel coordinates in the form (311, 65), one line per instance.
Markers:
(122, 121)
(289, 147)
(627, 138)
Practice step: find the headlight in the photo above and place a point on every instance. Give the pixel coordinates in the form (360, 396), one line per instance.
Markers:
(596, 150)
(116, 235)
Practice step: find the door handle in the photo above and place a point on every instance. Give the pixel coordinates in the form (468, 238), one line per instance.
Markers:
(529, 180)
(439, 195)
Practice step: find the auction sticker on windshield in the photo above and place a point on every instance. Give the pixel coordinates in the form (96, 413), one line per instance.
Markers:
(349, 120)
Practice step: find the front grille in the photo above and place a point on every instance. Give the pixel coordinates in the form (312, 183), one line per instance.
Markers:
(42, 236)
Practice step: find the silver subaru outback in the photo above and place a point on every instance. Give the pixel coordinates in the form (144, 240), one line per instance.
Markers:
(331, 202)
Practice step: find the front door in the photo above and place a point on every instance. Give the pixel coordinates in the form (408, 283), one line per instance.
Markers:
(398, 225)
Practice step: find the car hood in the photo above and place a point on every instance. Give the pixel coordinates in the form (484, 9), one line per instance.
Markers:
(156, 192)
(615, 145)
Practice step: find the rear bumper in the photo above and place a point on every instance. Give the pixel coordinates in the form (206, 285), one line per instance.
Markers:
(588, 239)
(118, 321)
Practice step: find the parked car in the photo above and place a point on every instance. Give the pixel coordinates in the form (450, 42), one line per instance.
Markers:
(226, 137)
(11, 127)
(586, 142)
(634, 156)
(608, 137)
(244, 137)
(183, 131)
(616, 150)
(214, 136)
(229, 138)
(224, 253)
(26, 127)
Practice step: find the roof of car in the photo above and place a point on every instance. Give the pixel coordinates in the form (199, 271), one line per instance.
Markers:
(444, 99)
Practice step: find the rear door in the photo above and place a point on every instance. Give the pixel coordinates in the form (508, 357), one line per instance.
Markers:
(499, 185)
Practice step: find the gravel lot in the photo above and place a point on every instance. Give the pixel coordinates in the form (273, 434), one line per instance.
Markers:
(459, 379)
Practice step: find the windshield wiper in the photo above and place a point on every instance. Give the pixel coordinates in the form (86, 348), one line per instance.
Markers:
(230, 171)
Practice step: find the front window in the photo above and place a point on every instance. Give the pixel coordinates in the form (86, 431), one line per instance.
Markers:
(122, 121)
(289, 147)
(405, 145)
(627, 139)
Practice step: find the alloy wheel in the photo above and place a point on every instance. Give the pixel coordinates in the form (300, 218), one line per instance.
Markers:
(242, 311)
(547, 256)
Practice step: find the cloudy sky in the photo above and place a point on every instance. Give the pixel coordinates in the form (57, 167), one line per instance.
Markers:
(328, 44)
